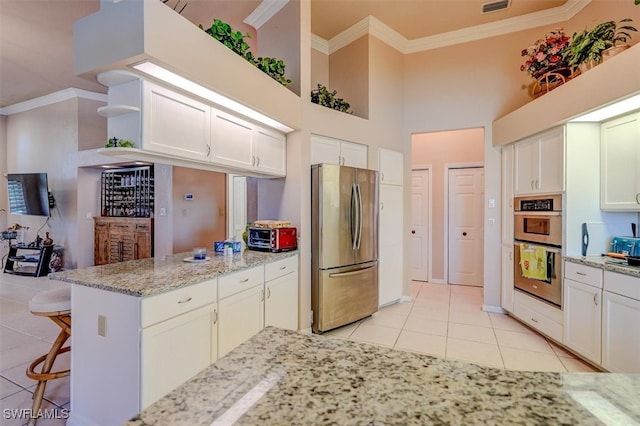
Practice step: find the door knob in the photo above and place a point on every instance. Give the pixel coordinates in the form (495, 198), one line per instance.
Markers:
(464, 234)
(413, 231)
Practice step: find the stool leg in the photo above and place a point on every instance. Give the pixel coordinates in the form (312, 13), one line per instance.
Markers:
(38, 394)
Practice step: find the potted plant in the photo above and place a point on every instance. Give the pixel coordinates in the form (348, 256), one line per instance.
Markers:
(322, 96)
(587, 48)
(546, 55)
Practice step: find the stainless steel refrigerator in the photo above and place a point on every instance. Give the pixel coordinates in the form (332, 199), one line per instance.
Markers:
(344, 245)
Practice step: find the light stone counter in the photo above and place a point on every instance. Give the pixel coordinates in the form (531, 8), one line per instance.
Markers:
(608, 264)
(281, 377)
(147, 277)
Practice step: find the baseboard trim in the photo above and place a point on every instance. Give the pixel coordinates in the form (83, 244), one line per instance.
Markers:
(406, 299)
(493, 309)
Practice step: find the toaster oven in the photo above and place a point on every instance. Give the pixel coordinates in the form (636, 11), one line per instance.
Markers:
(272, 239)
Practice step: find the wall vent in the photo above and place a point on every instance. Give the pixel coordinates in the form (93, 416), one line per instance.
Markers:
(495, 5)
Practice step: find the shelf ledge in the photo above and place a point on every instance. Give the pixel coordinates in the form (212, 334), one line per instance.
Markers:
(116, 110)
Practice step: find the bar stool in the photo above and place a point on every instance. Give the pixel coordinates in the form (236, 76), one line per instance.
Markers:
(56, 305)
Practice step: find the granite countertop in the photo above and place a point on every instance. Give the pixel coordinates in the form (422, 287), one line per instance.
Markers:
(282, 377)
(147, 277)
(606, 263)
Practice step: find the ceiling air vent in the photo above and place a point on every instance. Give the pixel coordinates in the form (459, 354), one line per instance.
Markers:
(495, 5)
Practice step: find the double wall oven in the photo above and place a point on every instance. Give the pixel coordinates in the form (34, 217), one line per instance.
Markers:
(538, 247)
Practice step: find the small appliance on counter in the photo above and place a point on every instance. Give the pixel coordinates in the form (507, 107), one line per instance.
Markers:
(629, 246)
(272, 235)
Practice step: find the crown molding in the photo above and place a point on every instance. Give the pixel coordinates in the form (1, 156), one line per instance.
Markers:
(52, 98)
(388, 35)
(265, 11)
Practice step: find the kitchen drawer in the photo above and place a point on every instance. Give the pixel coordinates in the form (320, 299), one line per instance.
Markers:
(583, 274)
(624, 285)
(176, 302)
(280, 268)
(240, 281)
(538, 315)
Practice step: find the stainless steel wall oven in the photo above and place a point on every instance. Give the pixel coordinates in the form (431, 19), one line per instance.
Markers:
(538, 247)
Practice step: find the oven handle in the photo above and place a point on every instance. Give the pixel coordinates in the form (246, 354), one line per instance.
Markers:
(534, 213)
(549, 249)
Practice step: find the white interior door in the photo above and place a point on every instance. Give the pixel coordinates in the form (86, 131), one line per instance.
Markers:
(236, 206)
(466, 218)
(420, 210)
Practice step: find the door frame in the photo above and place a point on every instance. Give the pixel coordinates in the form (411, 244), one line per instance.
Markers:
(429, 168)
(447, 168)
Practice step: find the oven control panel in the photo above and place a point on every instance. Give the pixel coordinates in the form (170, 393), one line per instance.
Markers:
(539, 205)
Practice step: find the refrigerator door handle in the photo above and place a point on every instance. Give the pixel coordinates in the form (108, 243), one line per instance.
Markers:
(359, 215)
(350, 273)
(354, 217)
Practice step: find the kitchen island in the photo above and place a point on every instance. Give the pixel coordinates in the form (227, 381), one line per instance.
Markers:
(282, 377)
(143, 327)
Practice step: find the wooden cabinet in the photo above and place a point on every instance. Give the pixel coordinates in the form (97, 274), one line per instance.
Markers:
(281, 294)
(122, 239)
(620, 164)
(583, 310)
(335, 151)
(620, 322)
(539, 163)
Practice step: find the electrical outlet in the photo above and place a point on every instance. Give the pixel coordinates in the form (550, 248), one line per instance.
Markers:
(102, 326)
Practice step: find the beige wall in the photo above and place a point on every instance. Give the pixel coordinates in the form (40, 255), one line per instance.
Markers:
(201, 221)
(349, 75)
(437, 151)
(319, 69)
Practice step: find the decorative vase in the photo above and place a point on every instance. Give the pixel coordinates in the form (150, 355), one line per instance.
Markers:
(48, 241)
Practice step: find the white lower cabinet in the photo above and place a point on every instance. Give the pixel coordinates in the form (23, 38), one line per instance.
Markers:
(583, 319)
(241, 316)
(177, 349)
(539, 315)
(620, 323)
(281, 294)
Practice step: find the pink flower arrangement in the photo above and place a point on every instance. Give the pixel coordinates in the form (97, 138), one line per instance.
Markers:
(546, 54)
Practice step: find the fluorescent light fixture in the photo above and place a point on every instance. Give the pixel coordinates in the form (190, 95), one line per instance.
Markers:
(618, 108)
(191, 87)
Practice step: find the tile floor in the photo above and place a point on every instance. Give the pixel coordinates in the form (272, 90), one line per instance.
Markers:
(23, 338)
(442, 320)
(447, 321)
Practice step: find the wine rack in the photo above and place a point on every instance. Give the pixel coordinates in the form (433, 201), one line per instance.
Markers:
(128, 192)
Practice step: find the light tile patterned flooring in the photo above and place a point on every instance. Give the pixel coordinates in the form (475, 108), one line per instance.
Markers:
(23, 338)
(445, 321)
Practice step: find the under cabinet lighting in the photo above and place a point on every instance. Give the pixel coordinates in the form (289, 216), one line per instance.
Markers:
(195, 88)
(609, 111)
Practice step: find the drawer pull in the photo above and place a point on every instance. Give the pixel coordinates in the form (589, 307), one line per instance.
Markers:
(245, 280)
(534, 320)
(185, 300)
(283, 267)
(581, 273)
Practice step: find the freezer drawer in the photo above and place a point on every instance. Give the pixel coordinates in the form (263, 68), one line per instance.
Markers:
(344, 295)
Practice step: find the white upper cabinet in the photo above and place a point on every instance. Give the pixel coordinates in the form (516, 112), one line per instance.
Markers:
(391, 167)
(620, 164)
(174, 124)
(270, 152)
(539, 164)
(325, 150)
(231, 140)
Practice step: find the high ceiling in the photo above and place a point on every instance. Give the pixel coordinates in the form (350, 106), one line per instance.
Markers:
(36, 36)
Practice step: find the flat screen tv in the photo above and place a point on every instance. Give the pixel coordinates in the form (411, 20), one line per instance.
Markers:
(28, 194)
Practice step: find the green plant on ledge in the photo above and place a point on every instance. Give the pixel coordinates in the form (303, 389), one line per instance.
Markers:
(586, 46)
(322, 96)
(235, 40)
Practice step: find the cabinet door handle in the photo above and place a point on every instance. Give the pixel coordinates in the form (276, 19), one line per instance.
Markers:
(638, 198)
(208, 150)
(283, 268)
(215, 316)
(187, 300)
(257, 161)
(532, 184)
(534, 320)
(268, 292)
(595, 299)
(262, 295)
(382, 176)
(537, 183)
(581, 273)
